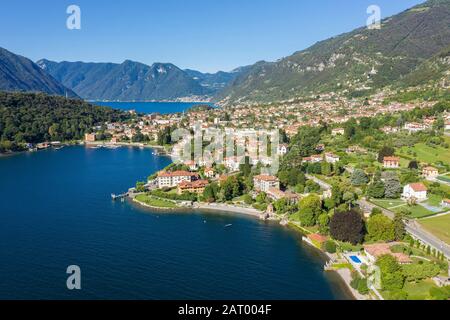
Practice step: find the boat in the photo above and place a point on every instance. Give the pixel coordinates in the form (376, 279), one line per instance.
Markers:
(228, 225)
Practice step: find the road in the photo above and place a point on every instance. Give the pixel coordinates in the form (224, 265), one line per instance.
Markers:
(413, 228)
(321, 183)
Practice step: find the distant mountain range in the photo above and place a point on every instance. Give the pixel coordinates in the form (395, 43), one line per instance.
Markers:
(18, 73)
(126, 81)
(358, 62)
(411, 49)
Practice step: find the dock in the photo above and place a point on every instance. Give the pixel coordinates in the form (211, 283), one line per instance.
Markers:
(119, 196)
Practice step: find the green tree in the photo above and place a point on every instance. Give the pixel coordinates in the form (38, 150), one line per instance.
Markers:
(380, 228)
(347, 227)
(399, 227)
(359, 178)
(324, 221)
(392, 277)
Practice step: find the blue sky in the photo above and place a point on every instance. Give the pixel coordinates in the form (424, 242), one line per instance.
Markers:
(206, 35)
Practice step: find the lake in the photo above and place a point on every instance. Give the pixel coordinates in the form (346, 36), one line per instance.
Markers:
(56, 211)
(151, 107)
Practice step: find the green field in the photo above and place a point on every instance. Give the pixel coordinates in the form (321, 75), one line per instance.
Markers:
(155, 202)
(439, 226)
(426, 154)
(420, 290)
(397, 205)
(388, 203)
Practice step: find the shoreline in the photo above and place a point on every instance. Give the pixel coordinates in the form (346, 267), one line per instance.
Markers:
(343, 275)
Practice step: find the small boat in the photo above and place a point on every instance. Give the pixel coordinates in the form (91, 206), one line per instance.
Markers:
(228, 225)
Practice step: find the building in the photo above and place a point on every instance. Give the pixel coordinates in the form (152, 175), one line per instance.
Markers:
(374, 251)
(192, 165)
(197, 186)
(445, 203)
(173, 179)
(415, 191)
(90, 137)
(337, 132)
(430, 172)
(209, 173)
(391, 162)
(282, 149)
(264, 182)
(313, 159)
(232, 164)
(331, 158)
(413, 127)
(447, 125)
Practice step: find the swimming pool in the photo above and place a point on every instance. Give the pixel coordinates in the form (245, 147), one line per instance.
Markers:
(355, 259)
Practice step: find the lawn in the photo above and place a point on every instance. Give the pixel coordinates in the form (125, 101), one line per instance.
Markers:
(417, 211)
(155, 202)
(397, 205)
(439, 226)
(419, 291)
(425, 153)
(388, 203)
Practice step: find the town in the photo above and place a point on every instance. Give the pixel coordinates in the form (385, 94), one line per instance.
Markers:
(370, 188)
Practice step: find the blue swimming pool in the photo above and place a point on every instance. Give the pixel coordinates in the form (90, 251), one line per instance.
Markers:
(355, 259)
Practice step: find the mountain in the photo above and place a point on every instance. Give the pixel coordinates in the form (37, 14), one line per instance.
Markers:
(354, 63)
(215, 82)
(127, 81)
(18, 73)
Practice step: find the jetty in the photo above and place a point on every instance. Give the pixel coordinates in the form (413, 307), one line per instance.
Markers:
(119, 196)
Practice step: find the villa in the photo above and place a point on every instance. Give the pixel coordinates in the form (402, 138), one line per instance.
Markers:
(374, 251)
(265, 182)
(197, 186)
(173, 179)
(276, 194)
(415, 191)
(430, 172)
(192, 165)
(391, 162)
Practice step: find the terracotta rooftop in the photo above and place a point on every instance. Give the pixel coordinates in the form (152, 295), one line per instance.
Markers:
(266, 177)
(177, 174)
(418, 187)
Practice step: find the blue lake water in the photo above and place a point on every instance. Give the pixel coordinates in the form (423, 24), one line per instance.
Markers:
(151, 107)
(56, 211)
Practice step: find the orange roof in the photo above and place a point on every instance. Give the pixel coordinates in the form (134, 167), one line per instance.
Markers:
(395, 159)
(194, 184)
(418, 187)
(177, 174)
(430, 169)
(266, 177)
(381, 249)
(317, 237)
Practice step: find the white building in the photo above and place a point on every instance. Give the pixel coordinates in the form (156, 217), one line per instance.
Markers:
(413, 127)
(265, 182)
(416, 191)
(282, 149)
(331, 158)
(338, 132)
(232, 164)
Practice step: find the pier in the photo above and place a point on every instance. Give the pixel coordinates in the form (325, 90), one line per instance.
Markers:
(119, 196)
